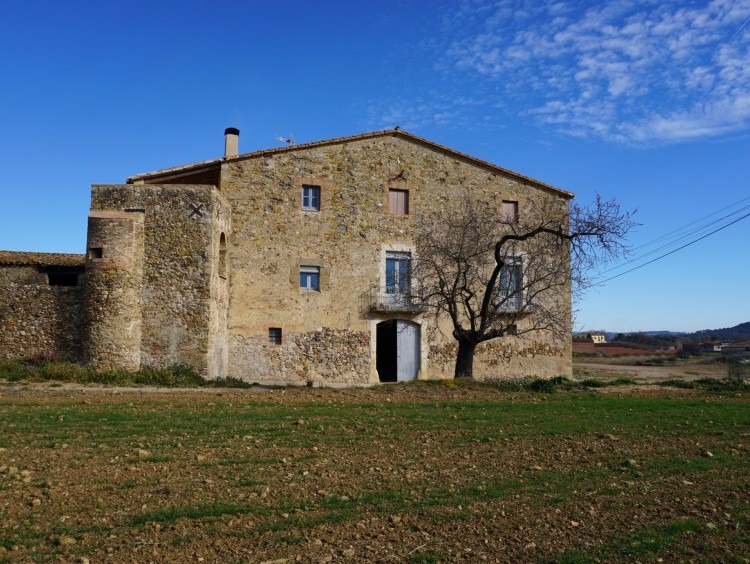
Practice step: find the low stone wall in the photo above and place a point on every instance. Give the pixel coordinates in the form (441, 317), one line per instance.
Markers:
(328, 356)
(40, 320)
(504, 359)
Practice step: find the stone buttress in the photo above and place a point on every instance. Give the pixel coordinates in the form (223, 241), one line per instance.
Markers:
(158, 294)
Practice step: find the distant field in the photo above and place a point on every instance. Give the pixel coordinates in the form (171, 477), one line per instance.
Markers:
(648, 369)
(405, 473)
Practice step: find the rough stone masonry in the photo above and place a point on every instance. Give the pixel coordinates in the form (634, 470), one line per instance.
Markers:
(271, 266)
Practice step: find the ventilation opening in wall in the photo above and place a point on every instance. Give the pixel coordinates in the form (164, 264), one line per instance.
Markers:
(274, 335)
(223, 256)
(95, 252)
(62, 277)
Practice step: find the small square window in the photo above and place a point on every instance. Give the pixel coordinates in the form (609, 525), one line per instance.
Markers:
(310, 197)
(309, 278)
(510, 211)
(95, 252)
(274, 335)
(398, 202)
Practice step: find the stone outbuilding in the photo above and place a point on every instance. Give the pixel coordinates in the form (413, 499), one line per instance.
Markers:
(288, 265)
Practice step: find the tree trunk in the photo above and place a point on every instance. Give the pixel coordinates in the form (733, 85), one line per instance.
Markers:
(465, 359)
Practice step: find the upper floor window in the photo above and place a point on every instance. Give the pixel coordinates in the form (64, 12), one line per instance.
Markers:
(309, 278)
(510, 211)
(511, 285)
(397, 272)
(310, 197)
(398, 201)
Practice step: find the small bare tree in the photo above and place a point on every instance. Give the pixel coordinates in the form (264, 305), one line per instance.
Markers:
(495, 276)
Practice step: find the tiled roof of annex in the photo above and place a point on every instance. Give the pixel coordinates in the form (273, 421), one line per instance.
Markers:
(20, 258)
(197, 166)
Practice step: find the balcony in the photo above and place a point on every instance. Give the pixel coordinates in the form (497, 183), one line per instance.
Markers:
(389, 300)
(511, 304)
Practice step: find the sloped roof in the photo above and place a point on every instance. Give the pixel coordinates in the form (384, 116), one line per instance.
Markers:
(18, 258)
(197, 167)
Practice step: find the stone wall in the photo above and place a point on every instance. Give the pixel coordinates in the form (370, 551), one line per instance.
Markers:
(22, 274)
(348, 239)
(40, 321)
(113, 303)
(199, 275)
(323, 357)
(181, 292)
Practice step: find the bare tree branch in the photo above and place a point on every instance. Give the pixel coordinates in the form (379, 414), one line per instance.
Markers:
(496, 276)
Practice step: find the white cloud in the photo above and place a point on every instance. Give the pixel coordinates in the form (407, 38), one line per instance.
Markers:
(413, 115)
(632, 71)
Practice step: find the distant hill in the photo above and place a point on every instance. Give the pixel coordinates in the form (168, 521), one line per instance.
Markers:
(736, 333)
(741, 331)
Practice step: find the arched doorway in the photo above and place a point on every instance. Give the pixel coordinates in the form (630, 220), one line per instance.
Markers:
(397, 350)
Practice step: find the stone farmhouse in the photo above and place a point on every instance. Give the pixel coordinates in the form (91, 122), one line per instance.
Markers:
(287, 265)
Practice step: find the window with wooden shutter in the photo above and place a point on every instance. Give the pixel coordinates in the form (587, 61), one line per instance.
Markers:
(398, 202)
(510, 211)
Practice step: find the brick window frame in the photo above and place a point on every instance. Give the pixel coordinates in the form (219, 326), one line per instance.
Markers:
(299, 181)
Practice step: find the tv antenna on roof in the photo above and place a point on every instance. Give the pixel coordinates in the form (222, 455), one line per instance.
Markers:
(288, 140)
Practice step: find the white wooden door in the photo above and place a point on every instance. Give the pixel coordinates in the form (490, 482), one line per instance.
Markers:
(407, 347)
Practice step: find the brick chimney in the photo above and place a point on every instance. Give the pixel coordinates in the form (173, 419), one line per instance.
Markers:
(231, 142)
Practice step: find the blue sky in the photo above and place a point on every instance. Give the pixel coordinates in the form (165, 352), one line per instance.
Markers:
(645, 101)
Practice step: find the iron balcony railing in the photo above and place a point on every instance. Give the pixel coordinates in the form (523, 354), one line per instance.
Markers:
(511, 304)
(391, 299)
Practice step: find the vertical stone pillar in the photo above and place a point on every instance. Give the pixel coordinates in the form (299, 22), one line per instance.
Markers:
(112, 313)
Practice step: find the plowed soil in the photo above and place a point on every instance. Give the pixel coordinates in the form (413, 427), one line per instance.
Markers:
(415, 473)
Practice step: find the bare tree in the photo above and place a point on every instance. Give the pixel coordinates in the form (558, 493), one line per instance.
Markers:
(495, 276)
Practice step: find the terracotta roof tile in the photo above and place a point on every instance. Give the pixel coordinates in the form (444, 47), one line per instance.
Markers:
(42, 259)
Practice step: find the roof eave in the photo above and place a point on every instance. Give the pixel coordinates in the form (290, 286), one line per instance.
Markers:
(184, 170)
(29, 258)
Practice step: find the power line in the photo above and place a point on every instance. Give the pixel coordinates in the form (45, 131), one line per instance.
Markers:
(672, 251)
(667, 235)
(676, 239)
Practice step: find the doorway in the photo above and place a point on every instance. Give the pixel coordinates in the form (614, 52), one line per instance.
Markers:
(397, 350)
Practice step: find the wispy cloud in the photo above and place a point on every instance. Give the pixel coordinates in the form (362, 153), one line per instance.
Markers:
(631, 71)
(413, 115)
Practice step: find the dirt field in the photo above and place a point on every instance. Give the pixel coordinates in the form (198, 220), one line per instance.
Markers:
(637, 368)
(421, 473)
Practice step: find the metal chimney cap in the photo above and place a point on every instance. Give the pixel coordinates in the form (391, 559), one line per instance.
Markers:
(231, 131)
